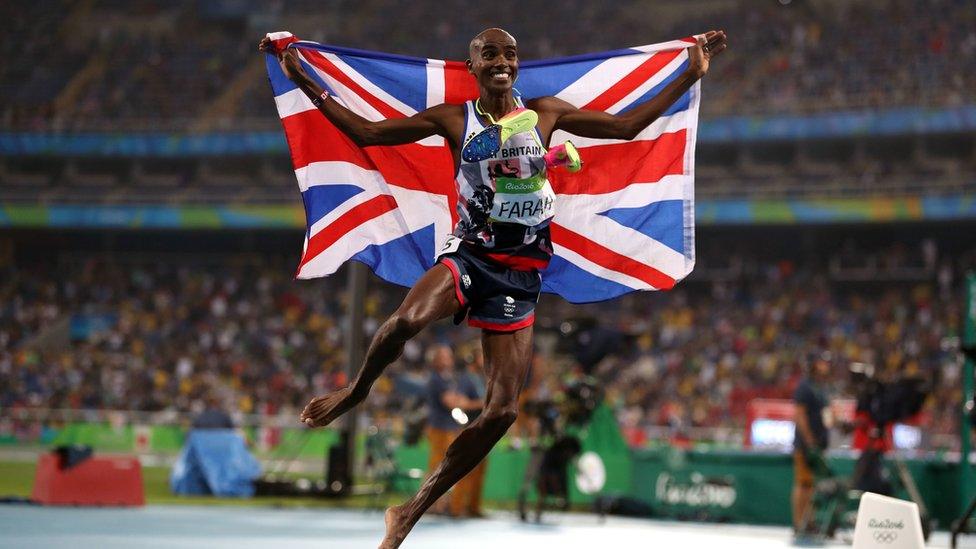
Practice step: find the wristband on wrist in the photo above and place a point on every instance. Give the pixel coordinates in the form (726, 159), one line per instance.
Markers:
(317, 101)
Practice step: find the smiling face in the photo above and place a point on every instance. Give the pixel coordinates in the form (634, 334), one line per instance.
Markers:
(494, 60)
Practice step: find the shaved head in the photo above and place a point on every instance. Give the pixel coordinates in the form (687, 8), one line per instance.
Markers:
(492, 34)
(493, 61)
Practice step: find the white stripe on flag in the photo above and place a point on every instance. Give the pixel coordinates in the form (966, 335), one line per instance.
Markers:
(341, 210)
(352, 100)
(600, 78)
(368, 85)
(415, 210)
(435, 96)
(666, 124)
(435, 82)
(664, 46)
(602, 272)
(670, 187)
(293, 102)
(658, 77)
(360, 106)
(582, 213)
(338, 172)
(380, 230)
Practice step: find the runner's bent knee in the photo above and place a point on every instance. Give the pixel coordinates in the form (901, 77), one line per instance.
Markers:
(504, 414)
(403, 326)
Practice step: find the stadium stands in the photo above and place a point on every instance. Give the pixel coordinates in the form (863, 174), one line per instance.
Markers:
(150, 66)
(188, 66)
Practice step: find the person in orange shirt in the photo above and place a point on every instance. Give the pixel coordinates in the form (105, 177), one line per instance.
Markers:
(811, 439)
(446, 416)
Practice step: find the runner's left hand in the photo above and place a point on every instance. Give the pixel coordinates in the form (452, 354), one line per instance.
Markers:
(709, 45)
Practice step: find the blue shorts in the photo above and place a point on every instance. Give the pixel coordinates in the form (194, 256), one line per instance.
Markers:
(493, 296)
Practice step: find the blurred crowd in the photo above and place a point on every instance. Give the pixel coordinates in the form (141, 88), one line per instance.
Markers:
(701, 355)
(157, 336)
(168, 334)
(74, 65)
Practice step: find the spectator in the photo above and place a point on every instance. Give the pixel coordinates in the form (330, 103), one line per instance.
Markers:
(810, 441)
(471, 385)
(445, 418)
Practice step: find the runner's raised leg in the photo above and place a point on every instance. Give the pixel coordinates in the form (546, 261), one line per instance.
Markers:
(432, 298)
(507, 359)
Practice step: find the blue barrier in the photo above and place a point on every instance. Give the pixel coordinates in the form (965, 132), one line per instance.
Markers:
(908, 120)
(292, 216)
(904, 121)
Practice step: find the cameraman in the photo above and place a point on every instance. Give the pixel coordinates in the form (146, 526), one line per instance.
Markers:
(869, 438)
(810, 441)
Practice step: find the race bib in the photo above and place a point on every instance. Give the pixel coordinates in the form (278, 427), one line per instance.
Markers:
(450, 245)
(527, 201)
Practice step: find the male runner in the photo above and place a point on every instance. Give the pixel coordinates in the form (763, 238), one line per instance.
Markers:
(489, 269)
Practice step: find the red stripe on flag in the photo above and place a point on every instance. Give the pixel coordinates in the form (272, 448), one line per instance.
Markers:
(318, 60)
(348, 221)
(608, 168)
(459, 84)
(312, 138)
(607, 258)
(629, 83)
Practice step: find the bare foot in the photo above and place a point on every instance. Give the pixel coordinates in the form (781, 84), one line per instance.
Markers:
(323, 410)
(396, 527)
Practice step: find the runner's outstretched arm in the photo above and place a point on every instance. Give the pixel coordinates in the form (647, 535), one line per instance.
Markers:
(363, 132)
(599, 124)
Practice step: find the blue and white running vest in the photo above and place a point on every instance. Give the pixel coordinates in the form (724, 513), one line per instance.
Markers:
(505, 203)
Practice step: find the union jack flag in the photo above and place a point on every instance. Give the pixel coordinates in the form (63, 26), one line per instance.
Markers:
(624, 223)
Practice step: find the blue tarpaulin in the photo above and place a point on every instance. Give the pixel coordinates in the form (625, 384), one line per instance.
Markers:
(214, 461)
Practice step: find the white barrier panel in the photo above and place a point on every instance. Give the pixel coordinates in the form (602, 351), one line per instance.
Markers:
(887, 522)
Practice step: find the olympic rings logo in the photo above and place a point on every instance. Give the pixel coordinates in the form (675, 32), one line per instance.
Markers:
(885, 536)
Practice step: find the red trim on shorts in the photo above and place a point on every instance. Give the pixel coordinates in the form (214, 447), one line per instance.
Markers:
(497, 327)
(456, 273)
(518, 263)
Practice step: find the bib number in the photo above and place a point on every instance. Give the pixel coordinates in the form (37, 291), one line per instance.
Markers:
(450, 245)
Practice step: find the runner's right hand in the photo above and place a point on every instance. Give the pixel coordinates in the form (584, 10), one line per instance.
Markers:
(287, 58)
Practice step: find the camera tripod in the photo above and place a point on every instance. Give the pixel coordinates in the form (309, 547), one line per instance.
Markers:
(832, 493)
(961, 526)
